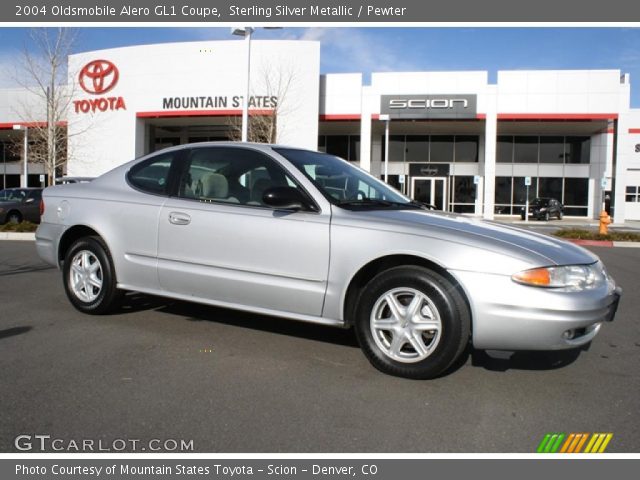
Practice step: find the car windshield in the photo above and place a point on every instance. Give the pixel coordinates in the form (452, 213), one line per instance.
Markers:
(343, 184)
(540, 202)
(12, 195)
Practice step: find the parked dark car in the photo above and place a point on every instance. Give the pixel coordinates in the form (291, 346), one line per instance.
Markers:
(18, 204)
(543, 208)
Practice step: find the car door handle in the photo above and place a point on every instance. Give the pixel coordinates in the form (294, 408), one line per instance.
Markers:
(178, 218)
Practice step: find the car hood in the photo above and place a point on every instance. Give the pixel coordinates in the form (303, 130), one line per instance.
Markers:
(528, 246)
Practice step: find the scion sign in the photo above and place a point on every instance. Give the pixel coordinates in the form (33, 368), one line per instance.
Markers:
(428, 106)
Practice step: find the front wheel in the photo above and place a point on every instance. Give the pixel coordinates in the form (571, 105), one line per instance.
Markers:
(89, 277)
(412, 322)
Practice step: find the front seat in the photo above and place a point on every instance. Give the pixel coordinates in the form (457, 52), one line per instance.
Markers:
(216, 187)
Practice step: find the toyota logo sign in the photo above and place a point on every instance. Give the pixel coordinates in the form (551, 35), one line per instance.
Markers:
(98, 76)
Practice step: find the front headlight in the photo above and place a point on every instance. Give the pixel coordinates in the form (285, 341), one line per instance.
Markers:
(570, 277)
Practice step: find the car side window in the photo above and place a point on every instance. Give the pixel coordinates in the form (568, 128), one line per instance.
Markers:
(152, 176)
(230, 175)
(36, 195)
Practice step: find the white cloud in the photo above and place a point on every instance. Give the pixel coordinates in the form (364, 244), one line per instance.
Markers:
(357, 50)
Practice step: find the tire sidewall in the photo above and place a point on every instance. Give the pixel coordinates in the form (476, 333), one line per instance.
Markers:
(454, 317)
(14, 217)
(105, 299)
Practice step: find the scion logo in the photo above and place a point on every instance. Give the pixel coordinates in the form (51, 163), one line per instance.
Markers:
(428, 106)
(423, 103)
(98, 77)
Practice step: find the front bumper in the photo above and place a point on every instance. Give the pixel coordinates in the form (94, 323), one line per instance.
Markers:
(510, 316)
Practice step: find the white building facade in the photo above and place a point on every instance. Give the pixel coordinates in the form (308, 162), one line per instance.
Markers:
(452, 139)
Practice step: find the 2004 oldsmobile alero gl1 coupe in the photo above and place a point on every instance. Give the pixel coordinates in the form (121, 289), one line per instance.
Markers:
(305, 235)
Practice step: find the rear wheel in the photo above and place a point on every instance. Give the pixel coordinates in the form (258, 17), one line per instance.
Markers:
(412, 322)
(89, 276)
(559, 214)
(14, 217)
(546, 216)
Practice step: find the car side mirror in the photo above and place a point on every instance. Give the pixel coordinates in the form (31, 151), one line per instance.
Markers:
(285, 198)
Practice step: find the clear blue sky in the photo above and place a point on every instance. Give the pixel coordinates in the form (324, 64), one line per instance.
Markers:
(405, 49)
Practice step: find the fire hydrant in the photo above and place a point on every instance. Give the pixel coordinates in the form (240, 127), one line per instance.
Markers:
(605, 220)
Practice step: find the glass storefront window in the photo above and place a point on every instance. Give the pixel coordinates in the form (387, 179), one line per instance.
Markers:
(466, 148)
(464, 190)
(441, 149)
(504, 149)
(417, 148)
(354, 148)
(578, 149)
(503, 190)
(525, 150)
(576, 191)
(338, 145)
(322, 143)
(520, 190)
(550, 187)
(552, 150)
(396, 148)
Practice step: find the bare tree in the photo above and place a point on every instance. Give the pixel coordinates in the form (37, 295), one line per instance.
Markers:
(276, 84)
(44, 75)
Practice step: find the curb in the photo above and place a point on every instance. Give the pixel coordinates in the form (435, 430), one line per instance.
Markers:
(604, 243)
(28, 236)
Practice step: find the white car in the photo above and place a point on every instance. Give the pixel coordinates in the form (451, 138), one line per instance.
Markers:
(305, 235)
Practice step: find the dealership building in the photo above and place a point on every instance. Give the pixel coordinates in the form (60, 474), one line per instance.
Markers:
(453, 139)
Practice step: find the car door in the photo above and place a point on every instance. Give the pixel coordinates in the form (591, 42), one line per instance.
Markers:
(218, 240)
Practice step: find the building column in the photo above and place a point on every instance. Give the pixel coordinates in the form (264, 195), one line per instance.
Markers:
(623, 147)
(490, 137)
(366, 112)
(490, 134)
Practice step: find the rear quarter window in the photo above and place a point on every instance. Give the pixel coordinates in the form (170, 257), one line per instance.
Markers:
(152, 176)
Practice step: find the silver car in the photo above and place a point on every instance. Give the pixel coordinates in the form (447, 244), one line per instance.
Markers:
(287, 232)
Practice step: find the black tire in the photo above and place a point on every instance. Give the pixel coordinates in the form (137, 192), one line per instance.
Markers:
(559, 214)
(441, 298)
(14, 217)
(108, 296)
(546, 216)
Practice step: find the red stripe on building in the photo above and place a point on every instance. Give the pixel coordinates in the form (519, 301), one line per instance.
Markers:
(634, 130)
(339, 117)
(199, 113)
(9, 126)
(557, 116)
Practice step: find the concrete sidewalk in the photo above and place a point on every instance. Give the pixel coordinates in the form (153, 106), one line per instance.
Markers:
(568, 222)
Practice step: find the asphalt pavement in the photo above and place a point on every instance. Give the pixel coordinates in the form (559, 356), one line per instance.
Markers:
(235, 382)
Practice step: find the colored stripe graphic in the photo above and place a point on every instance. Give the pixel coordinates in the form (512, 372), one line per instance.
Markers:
(598, 442)
(550, 443)
(574, 443)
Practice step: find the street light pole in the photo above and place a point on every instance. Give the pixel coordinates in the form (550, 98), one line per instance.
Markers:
(25, 150)
(246, 33)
